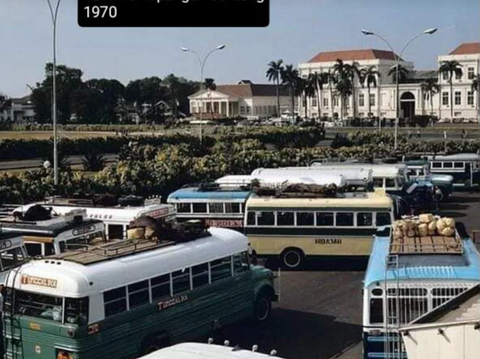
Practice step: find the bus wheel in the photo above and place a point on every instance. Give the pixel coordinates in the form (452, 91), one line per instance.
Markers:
(292, 258)
(263, 307)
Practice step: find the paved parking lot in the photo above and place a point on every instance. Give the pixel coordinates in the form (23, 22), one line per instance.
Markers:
(320, 312)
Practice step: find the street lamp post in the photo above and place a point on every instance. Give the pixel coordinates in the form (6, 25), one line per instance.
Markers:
(54, 15)
(202, 67)
(397, 65)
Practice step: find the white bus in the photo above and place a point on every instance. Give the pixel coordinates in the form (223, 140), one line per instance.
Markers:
(12, 253)
(207, 351)
(116, 218)
(125, 299)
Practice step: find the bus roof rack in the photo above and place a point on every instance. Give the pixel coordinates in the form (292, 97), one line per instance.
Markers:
(426, 245)
(299, 190)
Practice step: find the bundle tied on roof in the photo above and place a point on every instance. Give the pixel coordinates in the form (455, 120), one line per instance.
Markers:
(299, 189)
(423, 226)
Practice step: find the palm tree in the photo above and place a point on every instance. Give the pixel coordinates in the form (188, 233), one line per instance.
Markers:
(290, 79)
(331, 80)
(429, 89)
(345, 76)
(449, 68)
(274, 73)
(475, 83)
(308, 90)
(318, 80)
(210, 85)
(368, 76)
(402, 73)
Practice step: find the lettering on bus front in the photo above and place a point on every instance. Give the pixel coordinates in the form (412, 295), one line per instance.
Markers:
(39, 281)
(157, 213)
(172, 302)
(224, 223)
(83, 230)
(328, 241)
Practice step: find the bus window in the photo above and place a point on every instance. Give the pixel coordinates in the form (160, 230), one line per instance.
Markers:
(390, 183)
(376, 310)
(181, 281)
(378, 182)
(364, 219)
(160, 286)
(76, 311)
(49, 249)
(285, 219)
(232, 208)
(200, 275)
(199, 207)
(251, 218)
(305, 219)
(115, 301)
(383, 219)
(39, 305)
(11, 258)
(240, 263)
(459, 164)
(34, 249)
(216, 207)
(447, 164)
(115, 231)
(344, 219)
(324, 219)
(221, 268)
(138, 294)
(183, 208)
(436, 164)
(265, 219)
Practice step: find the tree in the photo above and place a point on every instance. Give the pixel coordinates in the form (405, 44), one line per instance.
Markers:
(68, 80)
(290, 79)
(307, 90)
(274, 73)
(429, 89)
(368, 76)
(345, 77)
(402, 73)
(449, 68)
(475, 83)
(5, 102)
(332, 80)
(149, 92)
(177, 91)
(318, 80)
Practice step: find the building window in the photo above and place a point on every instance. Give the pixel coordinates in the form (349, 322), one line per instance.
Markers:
(458, 75)
(335, 101)
(445, 75)
(325, 102)
(361, 100)
(314, 102)
(242, 110)
(458, 98)
(248, 110)
(471, 73)
(445, 98)
(470, 98)
(372, 99)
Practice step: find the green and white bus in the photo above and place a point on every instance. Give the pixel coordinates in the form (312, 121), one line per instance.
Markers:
(129, 298)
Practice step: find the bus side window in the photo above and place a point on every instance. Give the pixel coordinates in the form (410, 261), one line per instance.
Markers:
(76, 311)
(232, 207)
(34, 249)
(376, 310)
(325, 219)
(344, 219)
(115, 301)
(138, 294)
(183, 208)
(459, 164)
(49, 249)
(199, 207)
(383, 219)
(378, 182)
(240, 263)
(436, 164)
(251, 218)
(265, 219)
(364, 219)
(160, 286)
(200, 275)
(305, 219)
(115, 231)
(390, 183)
(181, 281)
(221, 268)
(447, 164)
(215, 207)
(285, 219)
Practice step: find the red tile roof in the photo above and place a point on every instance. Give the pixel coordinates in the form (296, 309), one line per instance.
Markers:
(251, 90)
(467, 48)
(354, 55)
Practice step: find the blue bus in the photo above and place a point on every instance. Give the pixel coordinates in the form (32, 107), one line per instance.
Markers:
(464, 167)
(404, 282)
(213, 205)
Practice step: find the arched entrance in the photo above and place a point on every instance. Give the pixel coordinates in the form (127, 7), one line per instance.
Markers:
(407, 105)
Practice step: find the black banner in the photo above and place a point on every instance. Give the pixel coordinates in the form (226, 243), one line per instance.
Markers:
(173, 13)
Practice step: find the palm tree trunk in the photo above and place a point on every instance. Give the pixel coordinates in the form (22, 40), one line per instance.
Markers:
(368, 99)
(319, 97)
(278, 97)
(451, 98)
(331, 96)
(353, 98)
(292, 93)
(431, 108)
(306, 106)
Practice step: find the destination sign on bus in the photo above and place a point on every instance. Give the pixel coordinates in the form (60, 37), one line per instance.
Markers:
(42, 282)
(328, 241)
(157, 213)
(83, 230)
(224, 223)
(5, 244)
(172, 302)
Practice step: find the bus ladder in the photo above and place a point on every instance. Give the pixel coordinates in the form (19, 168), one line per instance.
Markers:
(393, 340)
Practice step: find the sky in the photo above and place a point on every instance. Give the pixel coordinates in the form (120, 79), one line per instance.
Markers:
(298, 30)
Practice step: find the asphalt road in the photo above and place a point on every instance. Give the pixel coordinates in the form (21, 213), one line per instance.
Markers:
(319, 315)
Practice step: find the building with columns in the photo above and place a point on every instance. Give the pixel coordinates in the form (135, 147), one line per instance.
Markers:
(382, 98)
(244, 99)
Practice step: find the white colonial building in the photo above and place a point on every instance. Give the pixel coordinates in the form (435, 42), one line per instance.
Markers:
(382, 98)
(244, 99)
(19, 110)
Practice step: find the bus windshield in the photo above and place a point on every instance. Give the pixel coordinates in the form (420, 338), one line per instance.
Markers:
(11, 258)
(62, 310)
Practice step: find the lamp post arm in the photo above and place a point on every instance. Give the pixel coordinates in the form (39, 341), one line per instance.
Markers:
(206, 58)
(389, 46)
(410, 41)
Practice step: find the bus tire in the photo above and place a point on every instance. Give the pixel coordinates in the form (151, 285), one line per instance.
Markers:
(152, 344)
(262, 307)
(292, 258)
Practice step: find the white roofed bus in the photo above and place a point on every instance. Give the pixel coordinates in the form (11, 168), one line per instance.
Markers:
(116, 217)
(125, 299)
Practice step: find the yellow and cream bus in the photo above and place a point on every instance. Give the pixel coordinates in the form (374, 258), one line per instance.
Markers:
(294, 228)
